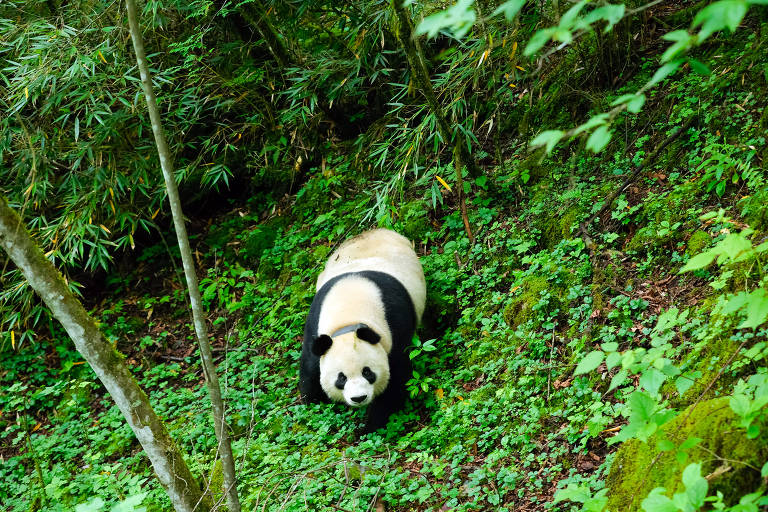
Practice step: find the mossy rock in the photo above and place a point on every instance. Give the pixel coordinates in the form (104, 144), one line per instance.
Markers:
(520, 308)
(634, 474)
(643, 238)
(699, 241)
(557, 227)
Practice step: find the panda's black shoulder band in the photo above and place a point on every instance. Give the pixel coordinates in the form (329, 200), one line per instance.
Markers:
(348, 328)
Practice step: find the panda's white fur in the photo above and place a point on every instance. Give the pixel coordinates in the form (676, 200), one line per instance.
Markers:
(356, 300)
(385, 251)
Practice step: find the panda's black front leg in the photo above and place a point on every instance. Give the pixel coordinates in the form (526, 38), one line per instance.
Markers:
(393, 398)
(309, 380)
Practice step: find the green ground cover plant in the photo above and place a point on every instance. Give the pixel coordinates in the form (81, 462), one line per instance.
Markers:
(566, 361)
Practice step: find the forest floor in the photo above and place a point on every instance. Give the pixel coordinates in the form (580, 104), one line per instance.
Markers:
(498, 419)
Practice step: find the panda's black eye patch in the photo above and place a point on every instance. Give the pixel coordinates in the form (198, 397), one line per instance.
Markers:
(369, 375)
(340, 381)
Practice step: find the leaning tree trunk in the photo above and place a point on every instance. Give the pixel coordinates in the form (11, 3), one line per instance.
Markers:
(169, 465)
(209, 368)
(415, 54)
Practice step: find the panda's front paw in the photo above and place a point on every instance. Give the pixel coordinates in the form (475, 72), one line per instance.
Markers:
(377, 419)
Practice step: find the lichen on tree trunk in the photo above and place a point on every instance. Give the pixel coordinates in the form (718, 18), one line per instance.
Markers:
(49, 284)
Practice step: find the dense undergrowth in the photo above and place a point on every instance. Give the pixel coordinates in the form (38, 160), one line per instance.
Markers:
(536, 348)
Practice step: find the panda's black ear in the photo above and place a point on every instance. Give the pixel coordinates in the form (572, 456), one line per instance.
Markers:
(321, 344)
(368, 334)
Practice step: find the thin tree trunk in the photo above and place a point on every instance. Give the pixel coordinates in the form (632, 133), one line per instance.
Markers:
(209, 369)
(420, 75)
(169, 465)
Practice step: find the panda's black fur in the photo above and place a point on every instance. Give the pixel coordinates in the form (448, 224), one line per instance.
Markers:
(401, 318)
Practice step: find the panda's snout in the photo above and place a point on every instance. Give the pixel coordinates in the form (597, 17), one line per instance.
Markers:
(359, 399)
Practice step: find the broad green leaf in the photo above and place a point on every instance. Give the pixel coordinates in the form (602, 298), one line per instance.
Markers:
(657, 502)
(734, 246)
(683, 40)
(611, 346)
(618, 379)
(641, 406)
(764, 470)
(702, 69)
(740, 405)
(509, 8)
(599, 139)
(538, 40)
(576, 493)
(458, 18)
(699, 261)
(590, 362)
(718, 16)
(696, 486)
(690, 443)
(593, 122)
(651, 380)
(664, 71)
(611, 13)
(665, 445)
(757, 309)
(612, 360)
(569, 17)
(684, 383)
(549, 138)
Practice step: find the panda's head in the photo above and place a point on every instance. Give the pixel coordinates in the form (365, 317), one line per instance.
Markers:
(354, 367)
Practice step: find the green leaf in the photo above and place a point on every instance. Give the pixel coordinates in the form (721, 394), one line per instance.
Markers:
(509, 8)
(458, 19)
(641, 406)
(569, 17)
(664, 71)
(702, 69)
(718, 16)
(590, 362)
(611, 13)
(618, 379)
(657, 502)
(612, 360)
(651, 380)
(593, 122)
(538, 40)
(635, 105)
(696, 486)
(611, 346)
(699, 261)
(549, 138)
(665, 445)
(757, 309)
(764, 470)
(683, 40)
(599, 139)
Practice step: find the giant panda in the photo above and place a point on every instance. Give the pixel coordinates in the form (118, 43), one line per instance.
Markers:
(369, 300)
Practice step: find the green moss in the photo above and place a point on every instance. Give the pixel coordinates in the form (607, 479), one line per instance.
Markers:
(217, 481)
(643, 238)
(605, 278)
(634, 474)
(517, 311)
(708, 357)
(558, 227)
(698, 242)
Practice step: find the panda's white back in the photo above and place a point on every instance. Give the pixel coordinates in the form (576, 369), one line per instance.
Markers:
(380, 250)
